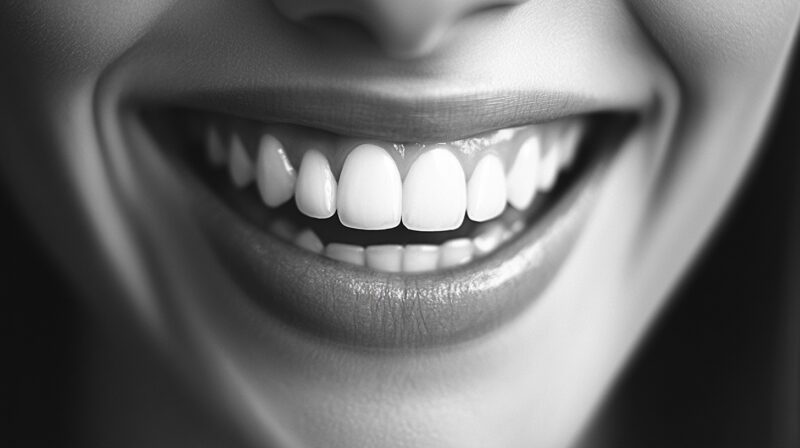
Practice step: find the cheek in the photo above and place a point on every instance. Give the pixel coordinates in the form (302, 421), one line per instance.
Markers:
(77, 36)
(706, 39)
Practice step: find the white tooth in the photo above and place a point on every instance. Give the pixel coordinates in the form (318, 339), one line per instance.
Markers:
(488, 238)
(347, 253)
(434, 192)
(240, 167)
(486, 190)
(315, 190)
(387, 257)
(215, 149)
(420, 257)
(523, 177)
(309, 240)
(275, 174)
(548, 170)
(370, 195)
(568, 143)
(455, 252)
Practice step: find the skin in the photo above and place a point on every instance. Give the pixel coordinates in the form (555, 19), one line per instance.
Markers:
(115, 217)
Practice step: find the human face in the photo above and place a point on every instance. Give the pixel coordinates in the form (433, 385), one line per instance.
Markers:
(515, 348)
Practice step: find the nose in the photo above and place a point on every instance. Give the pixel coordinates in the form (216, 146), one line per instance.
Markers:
(402, 28)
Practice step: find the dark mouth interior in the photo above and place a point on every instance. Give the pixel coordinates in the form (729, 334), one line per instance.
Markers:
(179, 133)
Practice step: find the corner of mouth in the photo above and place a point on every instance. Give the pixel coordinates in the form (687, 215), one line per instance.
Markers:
(325, 285)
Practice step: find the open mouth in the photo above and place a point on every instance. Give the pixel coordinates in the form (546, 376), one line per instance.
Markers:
(387, 225)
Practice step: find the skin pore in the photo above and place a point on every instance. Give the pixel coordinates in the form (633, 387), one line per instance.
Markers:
(123, 219)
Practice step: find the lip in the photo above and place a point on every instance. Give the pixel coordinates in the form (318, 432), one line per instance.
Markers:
(358, 306)
(394, 114)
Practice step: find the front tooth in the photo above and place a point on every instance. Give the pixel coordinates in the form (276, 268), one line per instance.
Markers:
(434, 192)
(489, 238)
(315, 191)
(420, 257)
(347, 253)
(455, 252)
(486, 190)
(309, 240)
(275, 175)
(240, 167)
(523, 177)
(548, 170)
(387, 257)
(215, 149)
(370, 195)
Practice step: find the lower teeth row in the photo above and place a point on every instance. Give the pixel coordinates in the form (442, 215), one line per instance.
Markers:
(405, 258)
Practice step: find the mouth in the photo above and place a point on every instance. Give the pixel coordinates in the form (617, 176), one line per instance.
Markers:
(390, 242)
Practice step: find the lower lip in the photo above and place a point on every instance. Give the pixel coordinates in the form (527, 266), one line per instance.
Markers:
(356, 306)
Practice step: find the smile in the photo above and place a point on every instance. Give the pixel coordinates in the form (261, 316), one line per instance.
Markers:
(416, 242)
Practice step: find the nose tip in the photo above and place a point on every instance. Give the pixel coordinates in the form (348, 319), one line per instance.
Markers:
(402, 28)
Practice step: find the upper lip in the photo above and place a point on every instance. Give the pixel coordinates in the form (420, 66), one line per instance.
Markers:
(397, 115)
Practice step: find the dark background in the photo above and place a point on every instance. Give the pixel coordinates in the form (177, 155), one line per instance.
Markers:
(720, 368)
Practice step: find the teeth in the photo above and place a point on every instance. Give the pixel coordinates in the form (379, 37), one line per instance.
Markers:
(275, 174)
(523, 175)
(548, 170)
(434, 192)
(386, 258)
(434, 196)
(215, 149)
(315, 192)
(489, 238)
(346, 252)
(240, 167)
(568, 143)
(455, 252)
(309, 240)
(420, 257)
(370, 195)
(486, 190)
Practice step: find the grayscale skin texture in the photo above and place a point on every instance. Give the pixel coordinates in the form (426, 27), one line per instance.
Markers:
(173, 332)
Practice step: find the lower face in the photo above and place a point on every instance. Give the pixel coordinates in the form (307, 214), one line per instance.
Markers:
(346, 249)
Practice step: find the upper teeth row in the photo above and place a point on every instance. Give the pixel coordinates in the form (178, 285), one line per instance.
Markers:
(370, 193)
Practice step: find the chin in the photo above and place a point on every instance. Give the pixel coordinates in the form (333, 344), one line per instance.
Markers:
(457, 244)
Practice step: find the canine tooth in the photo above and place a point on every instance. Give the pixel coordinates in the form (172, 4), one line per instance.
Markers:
(240, 167)
(347, 253)
(315, 190)
(386, 257)
(488, 239)
(486, 190)
(523, 177)
(370, 195)
(420, 257)
(455, 252)
(434, 192)
(568, 143)
(548, 170)
(309, 240)
(215, 148)
(275, 175)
